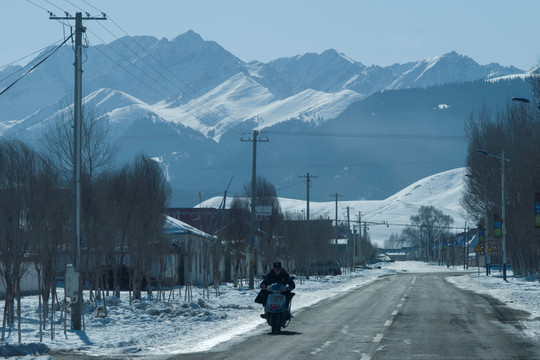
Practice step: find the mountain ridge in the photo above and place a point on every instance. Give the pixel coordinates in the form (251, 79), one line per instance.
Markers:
(197, 100)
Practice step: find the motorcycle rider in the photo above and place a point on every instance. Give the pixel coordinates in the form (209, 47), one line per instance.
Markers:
(277, 275)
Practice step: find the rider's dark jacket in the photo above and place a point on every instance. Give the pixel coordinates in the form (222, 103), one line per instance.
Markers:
(273, 278)
(281, 278)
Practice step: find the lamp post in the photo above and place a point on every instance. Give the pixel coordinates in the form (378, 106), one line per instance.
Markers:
(503, 204)
(524, 101)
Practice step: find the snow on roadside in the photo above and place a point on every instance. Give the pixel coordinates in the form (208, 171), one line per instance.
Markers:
(516, 293)
(181, 327)
(148, 327)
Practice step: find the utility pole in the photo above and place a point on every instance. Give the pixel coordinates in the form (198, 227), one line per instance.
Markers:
(349, 235)
(360, 237)
(253, 245)
(336, 195)
(503, 203)
(465, 246)
(503, 221)
(76, 309)
(486, 241)
(308, 178)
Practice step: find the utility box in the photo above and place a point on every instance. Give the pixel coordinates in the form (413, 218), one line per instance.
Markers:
(72, 282)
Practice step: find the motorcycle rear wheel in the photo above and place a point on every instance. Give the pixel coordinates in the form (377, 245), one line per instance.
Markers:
(275, 323)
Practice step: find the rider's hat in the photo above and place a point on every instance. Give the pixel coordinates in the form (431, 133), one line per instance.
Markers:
(277, 265)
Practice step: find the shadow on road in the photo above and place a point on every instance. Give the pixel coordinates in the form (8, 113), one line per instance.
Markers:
(287, 333)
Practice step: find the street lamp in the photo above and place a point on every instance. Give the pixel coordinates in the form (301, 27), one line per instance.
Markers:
(524, 101)
(503, 204)
(521, 100)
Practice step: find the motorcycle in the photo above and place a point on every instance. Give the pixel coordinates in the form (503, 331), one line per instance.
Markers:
(278, 309)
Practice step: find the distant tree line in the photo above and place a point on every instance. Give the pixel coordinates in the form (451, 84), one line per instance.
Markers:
(516, 130)
(282, 236)
(428, 235)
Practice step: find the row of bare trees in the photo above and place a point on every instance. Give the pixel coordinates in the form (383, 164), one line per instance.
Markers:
(23, 213)
(429, 231)
(123, 209)
(123, 216)
(516, 130)
(282, 236)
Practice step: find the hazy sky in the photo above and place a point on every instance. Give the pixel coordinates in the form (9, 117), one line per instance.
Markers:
(380, 32)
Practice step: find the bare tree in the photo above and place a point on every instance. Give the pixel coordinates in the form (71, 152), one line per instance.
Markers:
(122, 207)
(516, 130)
(50, 217)
(294, 240)
(395, 241)
(427, 229)
(18, 174)
(266, 195)
(236, 235)
(150, 192)
(97, 149)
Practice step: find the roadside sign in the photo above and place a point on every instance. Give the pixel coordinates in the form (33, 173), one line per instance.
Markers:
(71, 285)
(480, 248)
(263, 210)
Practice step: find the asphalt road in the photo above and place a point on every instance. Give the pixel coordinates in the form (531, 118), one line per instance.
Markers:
(402, 316)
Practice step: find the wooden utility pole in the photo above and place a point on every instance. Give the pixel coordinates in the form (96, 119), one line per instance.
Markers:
(308, 178)
(253, 245)
(360, 238)
(76, 310)
(336, 195)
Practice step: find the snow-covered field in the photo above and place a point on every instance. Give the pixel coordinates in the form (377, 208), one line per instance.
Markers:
(198, 325)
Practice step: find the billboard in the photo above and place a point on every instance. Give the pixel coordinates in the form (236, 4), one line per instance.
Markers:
(537, 210)
(497, 225)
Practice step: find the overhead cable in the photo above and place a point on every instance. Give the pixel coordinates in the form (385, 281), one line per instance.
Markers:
(35, 66)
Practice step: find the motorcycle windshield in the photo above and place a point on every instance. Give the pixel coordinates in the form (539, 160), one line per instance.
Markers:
(276, 298)
(277, 287)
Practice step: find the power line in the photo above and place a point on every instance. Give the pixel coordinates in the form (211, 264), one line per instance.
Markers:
(198, 99)
(78, 7)
(189, 106)
(39, 6)
(125, 69)
(27, 56)
(372, 136)
(34, 66)
(198, 114)
(59, 8)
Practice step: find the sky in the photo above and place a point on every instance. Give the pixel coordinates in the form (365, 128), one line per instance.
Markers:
(206, 322)
(380, 32)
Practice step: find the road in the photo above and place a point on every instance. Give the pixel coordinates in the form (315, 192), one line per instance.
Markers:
(401, 316)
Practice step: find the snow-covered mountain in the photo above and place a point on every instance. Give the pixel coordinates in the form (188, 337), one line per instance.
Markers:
(448, 68)
(187, 102)
(190, 70)
(388, 216)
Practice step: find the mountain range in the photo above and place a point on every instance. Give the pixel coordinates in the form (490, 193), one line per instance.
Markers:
(364, 131)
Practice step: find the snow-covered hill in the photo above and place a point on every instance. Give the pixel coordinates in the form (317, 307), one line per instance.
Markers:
(388, 216)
